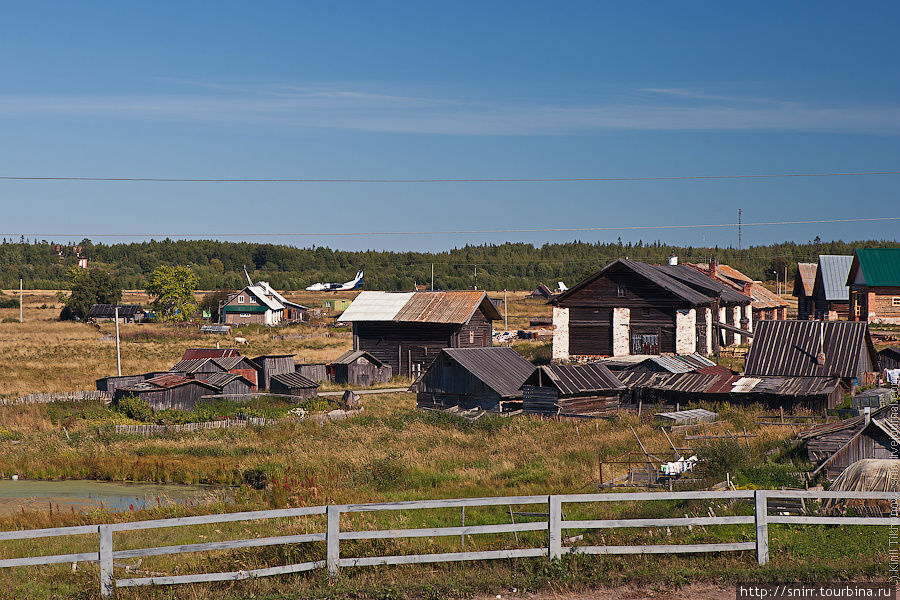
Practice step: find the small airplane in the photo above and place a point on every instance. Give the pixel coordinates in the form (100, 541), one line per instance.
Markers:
(353, 284)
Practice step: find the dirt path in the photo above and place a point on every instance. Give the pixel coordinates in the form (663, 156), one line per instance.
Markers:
(694, 591)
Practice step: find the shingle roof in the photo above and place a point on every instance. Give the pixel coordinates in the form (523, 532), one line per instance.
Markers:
(500, 368)
(455, 307)
(294, 380)
(805, 279)
(575, 379)
(833, 272)
(880, 266)
(352, 355)
(789, 348)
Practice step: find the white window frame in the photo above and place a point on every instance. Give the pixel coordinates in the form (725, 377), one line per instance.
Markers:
(241, 299)
(245, 315)
(895, 301)
(621, 291)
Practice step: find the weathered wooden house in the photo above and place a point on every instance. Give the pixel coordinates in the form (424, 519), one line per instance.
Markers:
(888, 358)
(227, 383)
(128, 313)
(804, 284)
(836, 446)
(572, 390)
(359, 369)
(874, 281)
(541, 292)
(484, 378)
(630, 307)
(317, 372)
(766, 305)
(293, 384)
(272, 364)
(407, 330)
(168, 391)
(812, 349)
(831, 293)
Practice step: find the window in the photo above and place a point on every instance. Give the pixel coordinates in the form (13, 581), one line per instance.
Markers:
(241, 299)
(245, 315)
(895, 301)
(620, 292)
(471, 337)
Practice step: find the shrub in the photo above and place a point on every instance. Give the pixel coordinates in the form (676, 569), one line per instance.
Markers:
(316, 404)
(134, 408)
(256, 478)
(723, 456)
(9, 303)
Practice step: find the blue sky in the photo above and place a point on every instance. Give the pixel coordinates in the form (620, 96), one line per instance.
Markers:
(448, 90)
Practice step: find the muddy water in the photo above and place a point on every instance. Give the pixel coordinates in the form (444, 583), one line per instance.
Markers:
(85, 496)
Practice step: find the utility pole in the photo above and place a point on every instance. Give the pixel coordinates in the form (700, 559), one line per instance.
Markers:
(21, 320)
(432, 277)
(740, 253)
(476, 276)
(505, 313)
(118, 354)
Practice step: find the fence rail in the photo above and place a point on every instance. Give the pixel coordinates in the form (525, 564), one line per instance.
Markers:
(47, 397)
(554, 524)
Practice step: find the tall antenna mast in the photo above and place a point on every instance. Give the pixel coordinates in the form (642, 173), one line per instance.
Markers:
(247, 275)
(740, 253)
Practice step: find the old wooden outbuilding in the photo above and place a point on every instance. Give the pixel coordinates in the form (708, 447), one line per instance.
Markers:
(317, 372)
(835, 446)
(804, 284)
(888, 358)
(227, 383)
(572, 390)
(874, 281)
(831, 293)
(112, 383)
(407, 330)
(474, 378)
(359, 369)
(168, 391)
(272, 364)
(293, 384)
(766, 304)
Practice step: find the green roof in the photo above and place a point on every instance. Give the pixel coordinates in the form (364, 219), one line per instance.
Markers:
(255, 308)
(880, 266)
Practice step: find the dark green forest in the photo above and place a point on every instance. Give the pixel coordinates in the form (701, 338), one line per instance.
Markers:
(513, 266)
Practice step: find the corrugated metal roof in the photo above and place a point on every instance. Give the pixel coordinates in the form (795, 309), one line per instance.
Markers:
(806, 278)
(789, 348)
(694, 278)
(833, 272)
(191, 353)
(193, 365)
(170, 381)
(575, 379)
(880, 266)
(220, 380)
(761, 297)
(263, 298)
(230, 362)
(352, 355)
(683, 363)
(294, 380)
(455, 307)
(502, 369)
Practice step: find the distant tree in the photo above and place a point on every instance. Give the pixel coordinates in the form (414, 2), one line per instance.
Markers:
(210, 303)
(172, 290)
(89, 287)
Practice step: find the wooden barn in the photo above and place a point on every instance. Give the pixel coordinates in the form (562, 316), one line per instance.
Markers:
(168, 391)
(407, 330)
(572, 390)
(831, 294)
(359, 369)
(836, 446)
(793, 348)
(293, 384)
(489, 379)
(112, 383)
(804, 284)
(630, 307)
(888, 358)
(874, 281)
(317, 372)
(227, 383)
(541, 292)
(272, 364)
(128, 313)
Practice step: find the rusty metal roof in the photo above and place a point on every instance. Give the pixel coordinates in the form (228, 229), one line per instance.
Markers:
(455, 307)
(789, 348)
(192, 353)
(576, 379)
(805, 279)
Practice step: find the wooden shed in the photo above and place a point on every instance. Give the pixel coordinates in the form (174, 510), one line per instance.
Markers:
(293, 384)
(831, 294)
(168, 391)
(359, 369)
(112, 383)
(804, 285)
(838, 445)
(572, 390)
(487, 378)
(228, 383)
(272, 364)
(407, 330)
(889, 358)
(196, 366)
(317, 372)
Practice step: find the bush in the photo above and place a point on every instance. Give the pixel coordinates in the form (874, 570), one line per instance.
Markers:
(723, 456)
(9, 303)
(134, 408)
(316, 404)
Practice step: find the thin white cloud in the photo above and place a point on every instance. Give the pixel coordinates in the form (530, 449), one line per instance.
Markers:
(353, 109)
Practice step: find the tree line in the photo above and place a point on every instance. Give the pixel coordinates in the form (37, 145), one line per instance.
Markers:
(515, 266)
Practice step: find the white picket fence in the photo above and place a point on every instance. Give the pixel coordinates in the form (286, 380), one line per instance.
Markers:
(554, 525)
(46, 398)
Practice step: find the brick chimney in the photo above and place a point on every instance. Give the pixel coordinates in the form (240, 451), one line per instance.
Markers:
(747, 288)
(713, 267)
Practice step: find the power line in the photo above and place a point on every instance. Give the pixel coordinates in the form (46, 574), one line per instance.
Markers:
(439, 180)
(452, 232)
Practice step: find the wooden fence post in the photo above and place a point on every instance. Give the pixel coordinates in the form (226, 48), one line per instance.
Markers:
(333, 540)
(762, 527)
(106, 561)
(554, 525)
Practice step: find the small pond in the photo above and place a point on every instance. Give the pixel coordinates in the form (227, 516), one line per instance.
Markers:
(84, 495)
